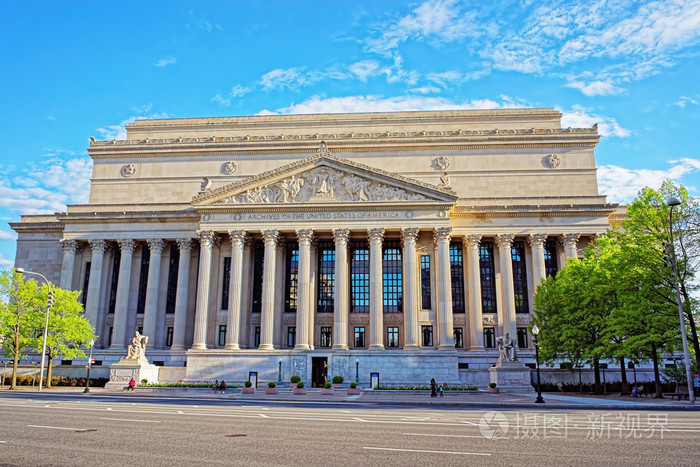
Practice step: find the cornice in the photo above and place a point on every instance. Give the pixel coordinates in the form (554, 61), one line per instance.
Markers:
(43, 226)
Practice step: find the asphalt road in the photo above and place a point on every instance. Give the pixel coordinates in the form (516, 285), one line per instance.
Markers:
(73, 429)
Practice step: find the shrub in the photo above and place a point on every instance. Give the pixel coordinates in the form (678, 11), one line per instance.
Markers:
(338, 380)
(300, 384)
(492, 385)
(327, 384)
(271, 384)
(295, 379)
(248, 384)
(144, 381)
(353, 385)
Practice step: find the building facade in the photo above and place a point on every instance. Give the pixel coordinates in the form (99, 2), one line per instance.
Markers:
(395, 244)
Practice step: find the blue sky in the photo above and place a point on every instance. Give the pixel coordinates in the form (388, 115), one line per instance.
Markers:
(74, 69)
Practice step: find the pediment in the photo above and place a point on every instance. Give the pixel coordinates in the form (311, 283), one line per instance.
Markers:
(324, 178)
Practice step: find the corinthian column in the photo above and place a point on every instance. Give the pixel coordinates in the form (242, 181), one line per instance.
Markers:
(570, 242)
(95, 282)
(505, 242)
(340, 315)
(233, 325)
(156, 246)
(70, 247)
(122, 301)
(476, 324)
(538, 268)
(305, 236)
(268, 292)
(410, 237)
(182, 293)
(446, 338)
(376, 298)
(206, 242)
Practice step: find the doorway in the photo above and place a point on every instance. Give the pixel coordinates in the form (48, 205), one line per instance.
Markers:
(319, 371)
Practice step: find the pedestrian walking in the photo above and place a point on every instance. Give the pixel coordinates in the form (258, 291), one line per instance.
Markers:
(433, 388)
(440, 390)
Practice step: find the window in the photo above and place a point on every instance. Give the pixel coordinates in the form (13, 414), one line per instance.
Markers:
(291, 336)
(109, 337)
(489, 338)
(326, 336)
(222, 335)
(550, 258)
(522, 338)
(256, 338)
(226, 283)
(392, 336)
(360, 336)
(392, 277)
(169, 336)
(143, 279)
(326, 277)
(427, 333)
(457, 276)
(115, 280)
(488, 278)
(459, 338)
(259, 257)
(140, 329)
(519, 277)
(173, 266)
(359, 278)
(292, 278)
(426, 301)
(86, 283)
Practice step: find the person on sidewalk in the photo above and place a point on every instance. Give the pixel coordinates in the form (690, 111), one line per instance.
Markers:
(433, 388)
(216, 386)
(132, 384)
(440, 390)
(222, 386)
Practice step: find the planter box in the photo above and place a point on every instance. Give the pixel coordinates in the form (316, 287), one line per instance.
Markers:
(247, 390)
(270, 390)
(338, 385)
(327, 392)
(493, 390)
(299, 390)
(353, 392)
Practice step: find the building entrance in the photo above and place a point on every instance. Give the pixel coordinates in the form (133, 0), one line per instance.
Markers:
(319, 371)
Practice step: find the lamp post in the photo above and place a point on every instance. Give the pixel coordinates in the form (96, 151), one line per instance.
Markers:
(686, 354)
(4, 370)
(357, 371)
(279, 375)
(87, 380)
(535, 333)
(49, 301)
(33, 374)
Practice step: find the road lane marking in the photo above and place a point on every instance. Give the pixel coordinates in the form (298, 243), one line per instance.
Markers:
(3, 442)
(130, 420)
(56, 427)
(428, 451)
(445, 436)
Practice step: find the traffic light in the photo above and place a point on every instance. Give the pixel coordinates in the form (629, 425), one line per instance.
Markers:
(668, 254)
(50, 299)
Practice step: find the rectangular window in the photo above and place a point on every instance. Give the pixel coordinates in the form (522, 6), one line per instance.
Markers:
(86, 284)
(359, 278)
(140, 329)
(292, 278)
(173, 266)
(360, 336)
(426, 300)
(226, 283)
(222, 335)
(109, 337)
(519, 277)
(326, 336)
(487, 274)
(291, 336)
(115, 280)
(522, 338)
(143, 279)
(326, 277)
(392, 277)
(427, 333)
(169, 336)
(489, 338)
(459, 338)
(550, 258)
(256, 338)
(392, 336)
(457, 276)
(258, 260)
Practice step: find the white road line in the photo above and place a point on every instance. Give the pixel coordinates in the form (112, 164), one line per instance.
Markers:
(130, 420)
(431, 452)
(56, 427)
(3, 442)
(444, 436)
(263, 415)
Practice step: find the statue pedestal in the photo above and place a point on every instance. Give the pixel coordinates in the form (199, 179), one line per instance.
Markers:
(511, 377)
(121, 373)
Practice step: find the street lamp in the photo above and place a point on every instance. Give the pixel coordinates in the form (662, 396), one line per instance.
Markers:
(688, 371)
(87, 381)
(279, 375)
(49, 301)
(535, 333)
(357, 371)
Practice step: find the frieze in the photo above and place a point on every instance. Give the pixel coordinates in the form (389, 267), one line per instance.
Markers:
(523, 319)
(324, 319)
(128, 170)
(393, 318)
(359, 318)
(255, 318)
(307, 216)
(441, 163)
(290, 318)
(229, 168)
(489, 319)
(551, 161)
(459, 319)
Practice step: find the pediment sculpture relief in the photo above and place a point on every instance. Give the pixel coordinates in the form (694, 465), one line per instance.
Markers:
(322, 184)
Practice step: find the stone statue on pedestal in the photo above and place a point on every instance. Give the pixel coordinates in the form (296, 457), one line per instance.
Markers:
(506, 349)
(137, 347)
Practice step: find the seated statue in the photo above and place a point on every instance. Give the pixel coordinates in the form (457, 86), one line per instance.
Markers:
(137, 347)
(506, 349)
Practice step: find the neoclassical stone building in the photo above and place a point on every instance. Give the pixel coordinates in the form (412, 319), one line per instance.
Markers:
(401, 243)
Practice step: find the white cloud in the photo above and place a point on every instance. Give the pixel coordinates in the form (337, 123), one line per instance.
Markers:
(290, 78)
(165, 61)
(6, 263)
(444, 78)
(426, 90)
(364, 69)
(596, 88)
(7, 235)
(685, 100)
(581, 117)
(118, 131)
(621, 185)
(236, 91)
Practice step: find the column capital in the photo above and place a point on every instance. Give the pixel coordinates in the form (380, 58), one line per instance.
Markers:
(156, 245)
(206, 238)
(184, 244)
(570, 239)
(376, 235)
(271, 236)
(409, 234)
(305, 236)
(98, 246)
(536, 240)
(341, 236)
(471, 241)
(504, 241)
(69, 246)
(442, 234)
(127, 246)
(237, 237)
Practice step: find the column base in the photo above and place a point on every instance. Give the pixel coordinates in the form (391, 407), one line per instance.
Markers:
(340, 347)
(266, 347)
(177, 347)
(232, 347)
(376, 347)
(198, 347)
(301, 347)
